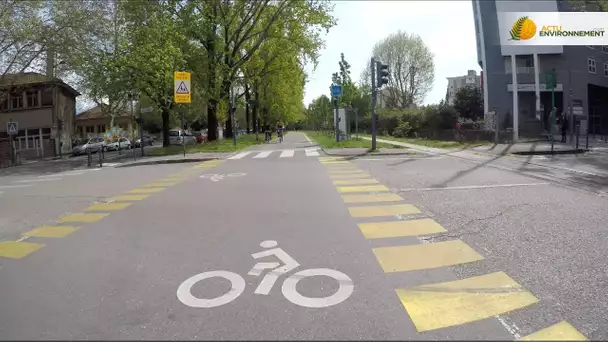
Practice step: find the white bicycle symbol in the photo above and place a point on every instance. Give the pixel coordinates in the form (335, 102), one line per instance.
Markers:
(184, 292)
(216, 177)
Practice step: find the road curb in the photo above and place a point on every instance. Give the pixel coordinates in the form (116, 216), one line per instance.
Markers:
(366, 154)
(166, 161)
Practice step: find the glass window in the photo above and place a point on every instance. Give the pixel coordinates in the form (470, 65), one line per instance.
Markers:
(605, 69)
(605, 48)
(591, 65)
(3, 102)
(16, 100)
(47, 97)
(32, 99)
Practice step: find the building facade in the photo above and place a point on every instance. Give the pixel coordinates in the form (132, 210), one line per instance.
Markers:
(471, 79)
(581, 73)
(44, 110)
(96, 121)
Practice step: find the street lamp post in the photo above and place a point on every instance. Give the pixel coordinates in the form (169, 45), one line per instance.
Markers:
(54, 112)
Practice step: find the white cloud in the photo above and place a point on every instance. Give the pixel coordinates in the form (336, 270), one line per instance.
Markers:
(447, 27)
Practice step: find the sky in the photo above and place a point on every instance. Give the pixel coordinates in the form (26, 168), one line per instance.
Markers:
(446, 27)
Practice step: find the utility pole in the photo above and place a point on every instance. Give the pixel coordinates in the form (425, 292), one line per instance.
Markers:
(372, 69)
(412, 71)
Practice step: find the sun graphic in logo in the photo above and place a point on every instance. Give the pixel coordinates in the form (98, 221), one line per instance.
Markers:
(523, 29)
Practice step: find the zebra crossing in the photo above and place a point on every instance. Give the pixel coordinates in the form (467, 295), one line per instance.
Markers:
(284, 153)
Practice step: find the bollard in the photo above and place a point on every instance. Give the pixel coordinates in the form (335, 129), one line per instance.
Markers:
(578, 131)
(100, 159)
(89, 157)
(587, 142)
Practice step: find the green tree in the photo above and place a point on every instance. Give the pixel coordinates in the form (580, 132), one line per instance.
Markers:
(468, 103)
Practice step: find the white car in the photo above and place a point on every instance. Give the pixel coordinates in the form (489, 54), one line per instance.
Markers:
(125, 144)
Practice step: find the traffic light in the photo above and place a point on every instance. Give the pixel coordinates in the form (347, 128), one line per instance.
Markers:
(381, 74)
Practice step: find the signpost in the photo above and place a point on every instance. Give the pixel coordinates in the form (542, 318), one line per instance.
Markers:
(336, 92)
(182, 93)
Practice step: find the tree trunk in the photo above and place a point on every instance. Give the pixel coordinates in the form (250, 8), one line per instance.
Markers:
(254, 113)
(212, 120)
(225, 92)
(247, 98)
(228, 131)
(165, 117)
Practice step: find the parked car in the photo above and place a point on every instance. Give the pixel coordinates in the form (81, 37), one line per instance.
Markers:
(179, 137)
(94, 144)
(148, 141)
(122, 143)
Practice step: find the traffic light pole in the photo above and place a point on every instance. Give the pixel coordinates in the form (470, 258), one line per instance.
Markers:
(337, 119)
(372, 70)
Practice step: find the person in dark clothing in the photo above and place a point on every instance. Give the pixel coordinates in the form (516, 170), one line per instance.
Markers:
(564, 127)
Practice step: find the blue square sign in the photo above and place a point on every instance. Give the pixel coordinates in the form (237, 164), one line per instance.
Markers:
(336, 90)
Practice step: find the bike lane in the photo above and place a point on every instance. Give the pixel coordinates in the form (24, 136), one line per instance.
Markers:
(119, 277)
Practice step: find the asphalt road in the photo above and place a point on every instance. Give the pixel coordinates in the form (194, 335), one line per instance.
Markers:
(373, 250)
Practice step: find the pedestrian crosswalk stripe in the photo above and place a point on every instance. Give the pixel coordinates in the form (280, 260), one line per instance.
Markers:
(108, 206)
(18, 250)
(239, 155)
(378, 230)
(363, 188)
(383, 210)
(355, 181)
(382, 197)
(458, 302)
(425, 256)
(81, 218)
(344, 172)
(51, 231)
(561, 331)
(146, 191)
(262, 154)
(287, 154)
(311, 152)
(126, 198)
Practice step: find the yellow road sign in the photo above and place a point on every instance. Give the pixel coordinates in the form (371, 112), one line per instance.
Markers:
(182, 92)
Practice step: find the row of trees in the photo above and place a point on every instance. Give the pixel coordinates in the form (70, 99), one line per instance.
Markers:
(255, 50)
(411, 77)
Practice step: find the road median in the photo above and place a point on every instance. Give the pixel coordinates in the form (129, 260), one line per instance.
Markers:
(355, 147)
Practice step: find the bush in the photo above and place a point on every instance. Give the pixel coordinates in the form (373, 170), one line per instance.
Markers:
(402, 130)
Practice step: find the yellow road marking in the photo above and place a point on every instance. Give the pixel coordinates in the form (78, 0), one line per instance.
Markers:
(18, 250)
(561, 331)
(51, 231)
(331, 162)
(383, 197)
(343, 172)
(159, 184)
(108, 206)
(82, 217)
(350, 176)
(364, 188)
(321, 159)
(146, 191)
(378, 230)
(383, 210)
(458, 302)
(125, 198)
(355, 181)
(425, 256)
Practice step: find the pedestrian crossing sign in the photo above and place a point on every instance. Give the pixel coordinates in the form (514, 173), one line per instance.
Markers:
(12, 128)
(182, 92)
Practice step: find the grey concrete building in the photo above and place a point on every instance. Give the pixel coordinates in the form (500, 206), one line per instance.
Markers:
(458, 82)
(582, 73)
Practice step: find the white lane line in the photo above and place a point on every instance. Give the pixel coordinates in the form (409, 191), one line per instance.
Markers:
(37, 180)
(263, 154)
(239, 155)
(307, 138)
(287, 154)
(401, 158)
(311, 152)
(471, 187)
(22, 238)
(15, 186)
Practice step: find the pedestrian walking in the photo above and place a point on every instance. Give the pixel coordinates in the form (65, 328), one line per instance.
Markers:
(564, 127)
